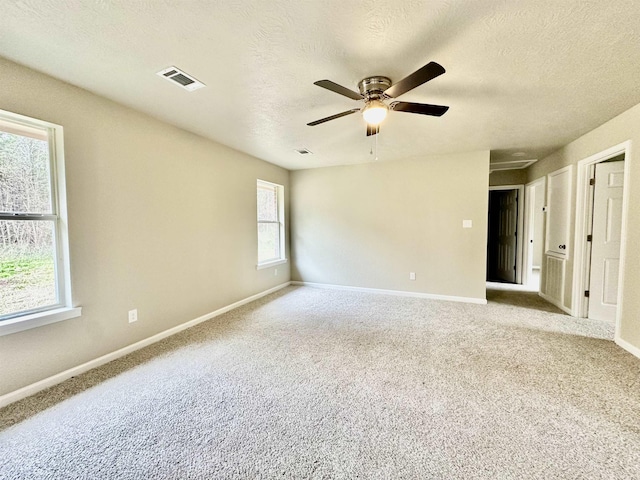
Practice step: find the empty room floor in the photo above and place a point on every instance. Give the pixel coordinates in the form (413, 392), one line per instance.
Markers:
(315, 383)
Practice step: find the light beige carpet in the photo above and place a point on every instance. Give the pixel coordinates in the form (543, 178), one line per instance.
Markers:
(312, 383)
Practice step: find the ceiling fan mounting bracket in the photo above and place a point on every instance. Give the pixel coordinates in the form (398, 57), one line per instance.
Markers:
(372, 88)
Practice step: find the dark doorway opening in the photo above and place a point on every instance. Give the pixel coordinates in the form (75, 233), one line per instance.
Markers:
(502, 237)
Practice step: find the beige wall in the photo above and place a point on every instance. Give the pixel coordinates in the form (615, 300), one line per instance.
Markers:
(508, 177)
(370, 225)
(620, 129)
(159, 219)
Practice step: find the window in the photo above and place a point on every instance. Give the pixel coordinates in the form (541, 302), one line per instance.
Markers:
(34, 273)
(270, 224)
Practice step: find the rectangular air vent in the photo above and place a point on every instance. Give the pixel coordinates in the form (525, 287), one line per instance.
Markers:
(180, 78)
(511, 165)
(304, 151)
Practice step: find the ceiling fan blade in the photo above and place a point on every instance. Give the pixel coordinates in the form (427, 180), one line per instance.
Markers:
(333, 117)
(334, 87)
(421, 108)
(372, 130)
(430, 71)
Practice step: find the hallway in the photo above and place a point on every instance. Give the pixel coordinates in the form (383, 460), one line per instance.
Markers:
(523, 299)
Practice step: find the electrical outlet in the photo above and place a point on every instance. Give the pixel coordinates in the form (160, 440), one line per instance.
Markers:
(133, 315)
(412, 275)
(275, 272)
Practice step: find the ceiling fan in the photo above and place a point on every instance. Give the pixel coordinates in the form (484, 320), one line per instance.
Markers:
(374, 91)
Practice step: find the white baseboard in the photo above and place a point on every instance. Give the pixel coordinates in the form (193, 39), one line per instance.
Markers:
(400, 293)
(628, 347)
(72, 372)
(556, 303)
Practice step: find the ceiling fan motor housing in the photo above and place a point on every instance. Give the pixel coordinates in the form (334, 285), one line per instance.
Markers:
(372, 88)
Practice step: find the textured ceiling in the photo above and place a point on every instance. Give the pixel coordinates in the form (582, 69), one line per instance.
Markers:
(522, 76)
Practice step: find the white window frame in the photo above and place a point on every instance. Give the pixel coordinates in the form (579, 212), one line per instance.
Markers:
(64, 309)
(280, 221)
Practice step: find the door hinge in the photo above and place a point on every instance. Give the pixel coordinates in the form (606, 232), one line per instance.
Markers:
(592, 181)
(589, 238)
(586, 293)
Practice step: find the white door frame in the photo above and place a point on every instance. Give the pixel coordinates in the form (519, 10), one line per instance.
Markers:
(583, 220)
(526, 261)
(520, 236)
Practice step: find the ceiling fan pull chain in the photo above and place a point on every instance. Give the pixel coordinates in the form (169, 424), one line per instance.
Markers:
(376, 147)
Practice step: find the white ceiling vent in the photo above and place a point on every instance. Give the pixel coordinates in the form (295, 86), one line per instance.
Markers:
(180, 78)
(304, 151)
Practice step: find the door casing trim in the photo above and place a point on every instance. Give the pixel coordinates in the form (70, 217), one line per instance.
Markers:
(583, 211)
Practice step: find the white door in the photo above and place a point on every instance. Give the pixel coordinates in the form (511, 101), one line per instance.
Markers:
(538, 225)
(507, 239)
(559, 206)
(530, 200)
(605, 247)
(534, 225)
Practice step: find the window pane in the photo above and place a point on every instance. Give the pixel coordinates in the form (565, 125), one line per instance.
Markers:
(27, 265)
(267, 204)
(268, 242)
(24, 173)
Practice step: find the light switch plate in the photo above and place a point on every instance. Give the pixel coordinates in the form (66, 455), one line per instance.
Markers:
(467, 224)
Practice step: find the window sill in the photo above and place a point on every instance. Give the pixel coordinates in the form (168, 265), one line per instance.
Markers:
(272, 263)
(26, 322)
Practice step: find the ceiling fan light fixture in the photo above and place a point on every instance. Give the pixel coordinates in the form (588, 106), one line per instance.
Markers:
(375, 112)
